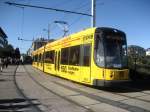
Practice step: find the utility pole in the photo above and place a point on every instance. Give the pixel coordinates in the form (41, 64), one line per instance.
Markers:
(48, 31)
(93, 13)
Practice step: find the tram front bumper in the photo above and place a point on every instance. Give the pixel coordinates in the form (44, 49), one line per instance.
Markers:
(109, 83)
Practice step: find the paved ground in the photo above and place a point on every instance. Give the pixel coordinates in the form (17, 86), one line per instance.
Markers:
(53, 94)
(11, 99)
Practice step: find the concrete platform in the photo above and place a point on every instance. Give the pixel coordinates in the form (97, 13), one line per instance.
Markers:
(10, 98)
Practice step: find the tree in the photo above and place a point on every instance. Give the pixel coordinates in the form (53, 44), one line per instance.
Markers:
(7, 51)
(17, 53)
(1, 52)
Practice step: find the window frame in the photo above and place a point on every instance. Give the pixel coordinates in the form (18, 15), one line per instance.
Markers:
(49, 57)
(64, 61)
(75, 55)
(82, 60)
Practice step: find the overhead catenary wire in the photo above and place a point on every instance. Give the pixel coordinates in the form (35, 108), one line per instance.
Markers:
(60, 4)
(65, 11)
(84, 5)
(88, 9)
(77, 20)
(47, 8)
(60, 10)
(78, 8)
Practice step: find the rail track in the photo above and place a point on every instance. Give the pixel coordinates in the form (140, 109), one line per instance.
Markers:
(118, 103)
(32, 105)
(51, 91)
(12, 97)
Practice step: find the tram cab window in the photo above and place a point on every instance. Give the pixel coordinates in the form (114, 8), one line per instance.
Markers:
(115, 50)
(99, 51)
(110, 49)
(74, 55)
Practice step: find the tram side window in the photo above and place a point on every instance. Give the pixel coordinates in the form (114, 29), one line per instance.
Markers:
(52, 53)
(36, 58)
(46, 59)
(49, 57)
(64, 56)
(74, 55)
(86, 55)
(39, 58)
(33, 58)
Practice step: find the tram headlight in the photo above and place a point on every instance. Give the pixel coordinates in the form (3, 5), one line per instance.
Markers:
(112, 74)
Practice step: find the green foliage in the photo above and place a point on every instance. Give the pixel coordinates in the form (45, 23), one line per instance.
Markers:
(17, 53)
(131, 61)
(144, 61)
(7, 51)
(139, 60)
(139, 66)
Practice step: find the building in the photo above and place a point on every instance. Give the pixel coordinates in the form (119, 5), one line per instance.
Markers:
(3, 38)
(3, 41)
(136, 51)
(39, 43)
(148, 52)
(29, 52)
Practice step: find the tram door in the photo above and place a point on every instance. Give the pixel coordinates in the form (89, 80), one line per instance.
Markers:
(57, 62)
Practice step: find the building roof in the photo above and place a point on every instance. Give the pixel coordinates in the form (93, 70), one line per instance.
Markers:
(2, 33)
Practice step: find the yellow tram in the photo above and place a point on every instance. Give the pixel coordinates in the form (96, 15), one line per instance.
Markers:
(95, 56)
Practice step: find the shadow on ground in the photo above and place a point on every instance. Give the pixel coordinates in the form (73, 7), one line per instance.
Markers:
(132, 86)
(15, 105)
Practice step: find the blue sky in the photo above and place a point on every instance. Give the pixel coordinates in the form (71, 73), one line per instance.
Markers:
(130, 16)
